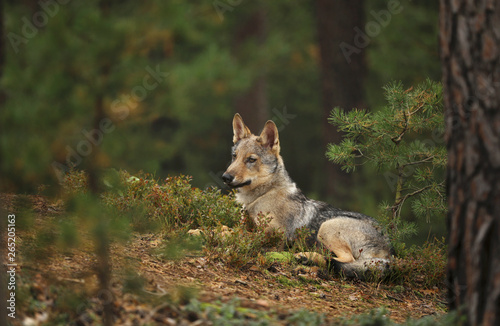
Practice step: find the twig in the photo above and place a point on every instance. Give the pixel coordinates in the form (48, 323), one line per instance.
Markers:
(419, 162)
(163, 292)
(397, 139)
(394, 298)
(241, 282)
(399, 203)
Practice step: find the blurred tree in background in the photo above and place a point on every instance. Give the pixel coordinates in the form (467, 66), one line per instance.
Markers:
(342, 76)
(406, 49)
(153, 85)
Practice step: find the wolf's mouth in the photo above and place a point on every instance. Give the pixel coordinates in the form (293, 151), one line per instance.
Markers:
(239, 185)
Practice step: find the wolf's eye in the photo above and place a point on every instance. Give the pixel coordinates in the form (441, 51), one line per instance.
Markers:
(251, 160)
(233, 156)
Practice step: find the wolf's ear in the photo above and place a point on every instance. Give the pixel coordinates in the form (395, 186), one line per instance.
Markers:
(240, 130)
(269, 136)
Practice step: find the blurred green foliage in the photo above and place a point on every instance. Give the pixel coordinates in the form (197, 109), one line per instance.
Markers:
(167, 75)
(406, 50)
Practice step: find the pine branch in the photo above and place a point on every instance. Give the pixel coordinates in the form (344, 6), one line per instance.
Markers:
(396, 208)
(425, 160)
(397, 139)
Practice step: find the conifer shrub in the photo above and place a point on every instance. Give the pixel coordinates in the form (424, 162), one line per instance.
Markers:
(404, 141)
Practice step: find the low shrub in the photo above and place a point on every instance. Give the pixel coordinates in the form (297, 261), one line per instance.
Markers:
(178, 207)
(173, 202)
(423, 266)
(244, 244)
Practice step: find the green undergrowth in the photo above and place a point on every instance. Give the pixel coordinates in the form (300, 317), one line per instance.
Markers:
(380, 317)
(173, 207)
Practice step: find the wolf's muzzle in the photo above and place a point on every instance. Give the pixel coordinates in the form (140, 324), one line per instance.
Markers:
(228, 179)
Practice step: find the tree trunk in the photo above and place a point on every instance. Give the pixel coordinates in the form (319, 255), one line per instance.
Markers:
(469, 41)
(341, 76)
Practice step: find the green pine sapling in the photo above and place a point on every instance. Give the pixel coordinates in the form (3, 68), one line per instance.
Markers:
(404, 140)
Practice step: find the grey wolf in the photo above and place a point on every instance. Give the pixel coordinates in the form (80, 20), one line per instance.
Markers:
(263, 186)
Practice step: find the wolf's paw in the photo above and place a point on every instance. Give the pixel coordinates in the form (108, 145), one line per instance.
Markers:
(310, 258)
(308, 270)
(195, 232)
(226, 231)
(198, 232)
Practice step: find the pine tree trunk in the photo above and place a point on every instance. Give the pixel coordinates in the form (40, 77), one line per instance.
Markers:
(470, 41)
(341, 77)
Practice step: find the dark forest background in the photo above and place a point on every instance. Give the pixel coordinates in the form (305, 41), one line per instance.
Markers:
(153, 85)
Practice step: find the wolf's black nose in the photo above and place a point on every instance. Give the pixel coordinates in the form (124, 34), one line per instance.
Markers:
(227, 178)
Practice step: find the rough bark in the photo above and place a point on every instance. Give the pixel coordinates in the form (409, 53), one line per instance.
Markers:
(341, 77)
(469, 42)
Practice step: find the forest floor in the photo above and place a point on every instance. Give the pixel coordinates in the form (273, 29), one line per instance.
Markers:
(146, 289)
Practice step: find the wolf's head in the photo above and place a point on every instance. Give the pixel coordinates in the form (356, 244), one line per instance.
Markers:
(255, 159)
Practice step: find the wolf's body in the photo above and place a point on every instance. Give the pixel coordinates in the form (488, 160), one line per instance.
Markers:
(264, 186)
